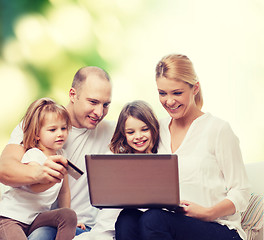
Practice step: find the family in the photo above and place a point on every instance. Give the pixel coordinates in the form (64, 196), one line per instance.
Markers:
(214, 188)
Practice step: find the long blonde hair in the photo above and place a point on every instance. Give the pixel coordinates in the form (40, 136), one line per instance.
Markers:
(179, 67)
(34, 118)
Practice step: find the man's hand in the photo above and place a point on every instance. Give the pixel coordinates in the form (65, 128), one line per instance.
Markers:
(52, 171)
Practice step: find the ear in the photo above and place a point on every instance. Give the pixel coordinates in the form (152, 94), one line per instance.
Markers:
(72, 94)
(196, 88)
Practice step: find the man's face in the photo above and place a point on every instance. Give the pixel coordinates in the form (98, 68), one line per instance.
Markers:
(90, 102)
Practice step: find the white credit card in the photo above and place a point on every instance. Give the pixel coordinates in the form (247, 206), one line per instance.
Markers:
(74, 171)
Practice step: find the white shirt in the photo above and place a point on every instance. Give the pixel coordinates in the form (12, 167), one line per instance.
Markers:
(23, 205)
(80, 142)
(211, 168)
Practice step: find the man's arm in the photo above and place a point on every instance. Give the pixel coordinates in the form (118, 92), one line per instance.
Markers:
(15, 174)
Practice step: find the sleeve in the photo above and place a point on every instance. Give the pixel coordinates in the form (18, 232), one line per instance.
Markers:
(34, 155)
(230, 160)
(16, 135)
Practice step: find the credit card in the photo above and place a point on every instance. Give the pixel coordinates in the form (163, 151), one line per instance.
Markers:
(74, 171)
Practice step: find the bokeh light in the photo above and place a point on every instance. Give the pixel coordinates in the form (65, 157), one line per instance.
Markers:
(44, 43)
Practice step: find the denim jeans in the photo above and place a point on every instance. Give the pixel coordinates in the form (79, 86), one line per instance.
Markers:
(43, 233)
(156, 224)
(49, 233)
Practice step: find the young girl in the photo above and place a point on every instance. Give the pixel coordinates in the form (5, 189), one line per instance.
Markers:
(23, 209)
(137, 130)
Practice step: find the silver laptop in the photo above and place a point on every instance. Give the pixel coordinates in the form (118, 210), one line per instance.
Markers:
(133, 180)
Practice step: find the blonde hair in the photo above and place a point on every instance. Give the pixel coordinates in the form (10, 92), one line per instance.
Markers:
(34, 119)
(180, 68)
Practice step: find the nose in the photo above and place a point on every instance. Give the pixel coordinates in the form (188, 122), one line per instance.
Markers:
(170, 101)
(138, 135)
(60, 132)
(98, 110)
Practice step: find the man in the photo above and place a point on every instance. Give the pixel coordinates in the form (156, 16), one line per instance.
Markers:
(90, 97)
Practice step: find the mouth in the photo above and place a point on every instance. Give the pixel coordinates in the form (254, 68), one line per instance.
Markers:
(174, 108)
(140, 143)
(94, 120)
(60, 141)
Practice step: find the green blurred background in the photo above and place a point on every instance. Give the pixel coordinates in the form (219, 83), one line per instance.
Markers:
(43, 43)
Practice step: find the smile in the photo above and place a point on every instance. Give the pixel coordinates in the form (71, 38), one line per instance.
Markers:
(94, 119)
(141, 143)
(174, 108)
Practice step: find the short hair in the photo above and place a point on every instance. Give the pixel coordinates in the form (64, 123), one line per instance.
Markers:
(34, 119)
(142, 111)
(83, 73)
(180, 68)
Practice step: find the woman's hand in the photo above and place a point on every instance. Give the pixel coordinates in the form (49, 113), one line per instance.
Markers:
(197, 211)
(223, 208)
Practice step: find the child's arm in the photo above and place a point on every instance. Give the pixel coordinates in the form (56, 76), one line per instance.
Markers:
(64, 198)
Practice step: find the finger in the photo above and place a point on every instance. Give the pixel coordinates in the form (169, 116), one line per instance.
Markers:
(50, 175)
(184, 202)
(59, 159)
(56, 166)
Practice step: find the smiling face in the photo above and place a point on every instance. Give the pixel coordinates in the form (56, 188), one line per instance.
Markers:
(177, 97)
(53, 134)
(89, 104)
(138, 135)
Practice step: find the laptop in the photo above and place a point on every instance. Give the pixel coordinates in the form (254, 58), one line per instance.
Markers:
(133, 180)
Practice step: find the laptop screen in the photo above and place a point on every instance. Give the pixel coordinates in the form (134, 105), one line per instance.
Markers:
(133, 180)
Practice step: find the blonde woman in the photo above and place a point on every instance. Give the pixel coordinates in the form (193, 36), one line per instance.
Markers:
(213, 184)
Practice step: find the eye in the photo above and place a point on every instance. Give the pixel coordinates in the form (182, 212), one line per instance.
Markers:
(93, 102)
(106, 105)
(129, 132)
(162, 93)
(52, 130)
(177, 93)
(64, 128)
(145, 129)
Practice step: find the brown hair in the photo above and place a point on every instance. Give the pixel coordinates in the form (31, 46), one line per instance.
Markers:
(34, 118)
(179, 67)
(142, 111)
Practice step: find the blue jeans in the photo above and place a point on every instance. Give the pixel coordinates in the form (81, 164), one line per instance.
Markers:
(156, 224)
(49, 233)
(43, 233)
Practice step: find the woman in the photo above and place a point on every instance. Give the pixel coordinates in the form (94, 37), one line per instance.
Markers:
(213, 184)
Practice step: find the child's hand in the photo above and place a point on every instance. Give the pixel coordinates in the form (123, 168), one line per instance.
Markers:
(81, 225)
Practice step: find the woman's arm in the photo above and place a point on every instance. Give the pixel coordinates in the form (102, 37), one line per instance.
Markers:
(230, 162)
(224, 208)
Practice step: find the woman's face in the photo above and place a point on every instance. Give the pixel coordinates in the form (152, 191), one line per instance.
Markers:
(177, 97)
